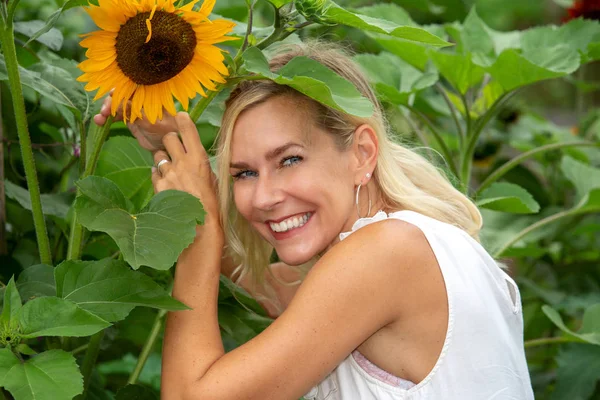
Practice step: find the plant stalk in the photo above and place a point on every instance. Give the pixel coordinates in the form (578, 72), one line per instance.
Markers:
(473, 133)
(538, 224)
(445, 150)
(3, 239)
(14, 81)
(76, 234)
(204, 102)
(498, 173)
(459, 129)
(147, 349)
(550, 340)
(89, 361)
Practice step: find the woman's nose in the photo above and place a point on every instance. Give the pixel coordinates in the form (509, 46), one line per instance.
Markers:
(267, 194)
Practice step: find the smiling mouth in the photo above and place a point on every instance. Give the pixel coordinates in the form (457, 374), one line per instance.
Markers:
(290, 223)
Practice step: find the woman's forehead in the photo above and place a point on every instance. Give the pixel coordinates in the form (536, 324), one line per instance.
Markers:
(273, 123)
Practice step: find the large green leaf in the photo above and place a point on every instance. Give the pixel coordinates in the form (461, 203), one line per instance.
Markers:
(52, 316)
(52, 204)
(394, 79)
(155, 236)
(578, 372)
(124, 162)
(513, 70)
(314, 80)
(36, 281)
(458, 69)
(8, 361)
(337, 14)
(576, 36)
(590, 329)
(52, 375)
(483, 42)
(508, 197)
(110, 289)
(52, 38)
(586, 180)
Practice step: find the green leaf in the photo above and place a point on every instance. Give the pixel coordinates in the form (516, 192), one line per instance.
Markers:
(394, 79)
(415, 54)
(458, 69)
(52, 38)
(124, 162)
(52, 316)
(110, 289)
(155, 236)
(483, 42)
(49, 24)
(8, 361)
(280, 3)
(508, 197)
(578, 372)
(24, 349)
(50, 81)
(136, 392)
(513, 70)
(337, 14)
(11, 304)
(52, 204)
(52, 375)
(314, 80)
(590, 330)
(576, 35)
(229, 290)
(586, 180)
(241, 324)
(36, 281)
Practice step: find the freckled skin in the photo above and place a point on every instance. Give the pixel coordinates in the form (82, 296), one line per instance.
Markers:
(322, 182)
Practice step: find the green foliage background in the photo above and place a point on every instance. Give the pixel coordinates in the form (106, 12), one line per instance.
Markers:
(502, 95)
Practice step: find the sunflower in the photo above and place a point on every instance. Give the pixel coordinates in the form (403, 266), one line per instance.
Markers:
(152, 50)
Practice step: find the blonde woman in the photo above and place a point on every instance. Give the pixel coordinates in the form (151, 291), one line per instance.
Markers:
(396, 297)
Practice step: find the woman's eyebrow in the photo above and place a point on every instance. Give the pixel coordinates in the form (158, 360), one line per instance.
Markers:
(280, 150)
(271, 154)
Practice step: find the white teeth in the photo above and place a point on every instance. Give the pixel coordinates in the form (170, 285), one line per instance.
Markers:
(290, 223)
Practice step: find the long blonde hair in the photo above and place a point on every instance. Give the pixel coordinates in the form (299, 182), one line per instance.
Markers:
(404, 178)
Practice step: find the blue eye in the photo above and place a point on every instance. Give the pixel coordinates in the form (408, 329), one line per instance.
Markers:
(289, 161)
(244, 174)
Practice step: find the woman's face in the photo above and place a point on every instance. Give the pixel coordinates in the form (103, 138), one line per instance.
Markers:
(290, 181)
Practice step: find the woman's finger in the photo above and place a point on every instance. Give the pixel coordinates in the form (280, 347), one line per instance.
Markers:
(161, 165)
(189, 135)
(173, 146)
(156, 176)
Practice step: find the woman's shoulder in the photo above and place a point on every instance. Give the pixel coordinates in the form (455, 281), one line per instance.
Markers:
(392, 246)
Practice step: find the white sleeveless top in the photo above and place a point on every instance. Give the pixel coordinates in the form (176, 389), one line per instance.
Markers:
(483, 356)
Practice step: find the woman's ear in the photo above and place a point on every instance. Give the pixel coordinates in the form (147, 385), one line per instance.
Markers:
(366, 151)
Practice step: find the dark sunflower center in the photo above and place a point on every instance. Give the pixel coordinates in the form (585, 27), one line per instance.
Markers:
(168, 52)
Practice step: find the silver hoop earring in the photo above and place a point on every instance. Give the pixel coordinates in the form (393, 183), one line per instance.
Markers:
(357, 207)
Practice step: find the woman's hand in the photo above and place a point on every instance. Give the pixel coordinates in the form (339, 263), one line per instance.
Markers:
(148, 135)
(187, 167)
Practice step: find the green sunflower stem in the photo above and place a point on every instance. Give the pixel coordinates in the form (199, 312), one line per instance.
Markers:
(89, 361)
(148, 346)
(14, 81)
(204, 102)
(100, 134)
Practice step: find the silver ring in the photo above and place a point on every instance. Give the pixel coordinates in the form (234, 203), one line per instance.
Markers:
(161, 162)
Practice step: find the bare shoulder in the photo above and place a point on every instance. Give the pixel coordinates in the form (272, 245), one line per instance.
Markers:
(393, 246)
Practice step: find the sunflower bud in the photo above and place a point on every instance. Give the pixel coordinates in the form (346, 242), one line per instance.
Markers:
(315, 10)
